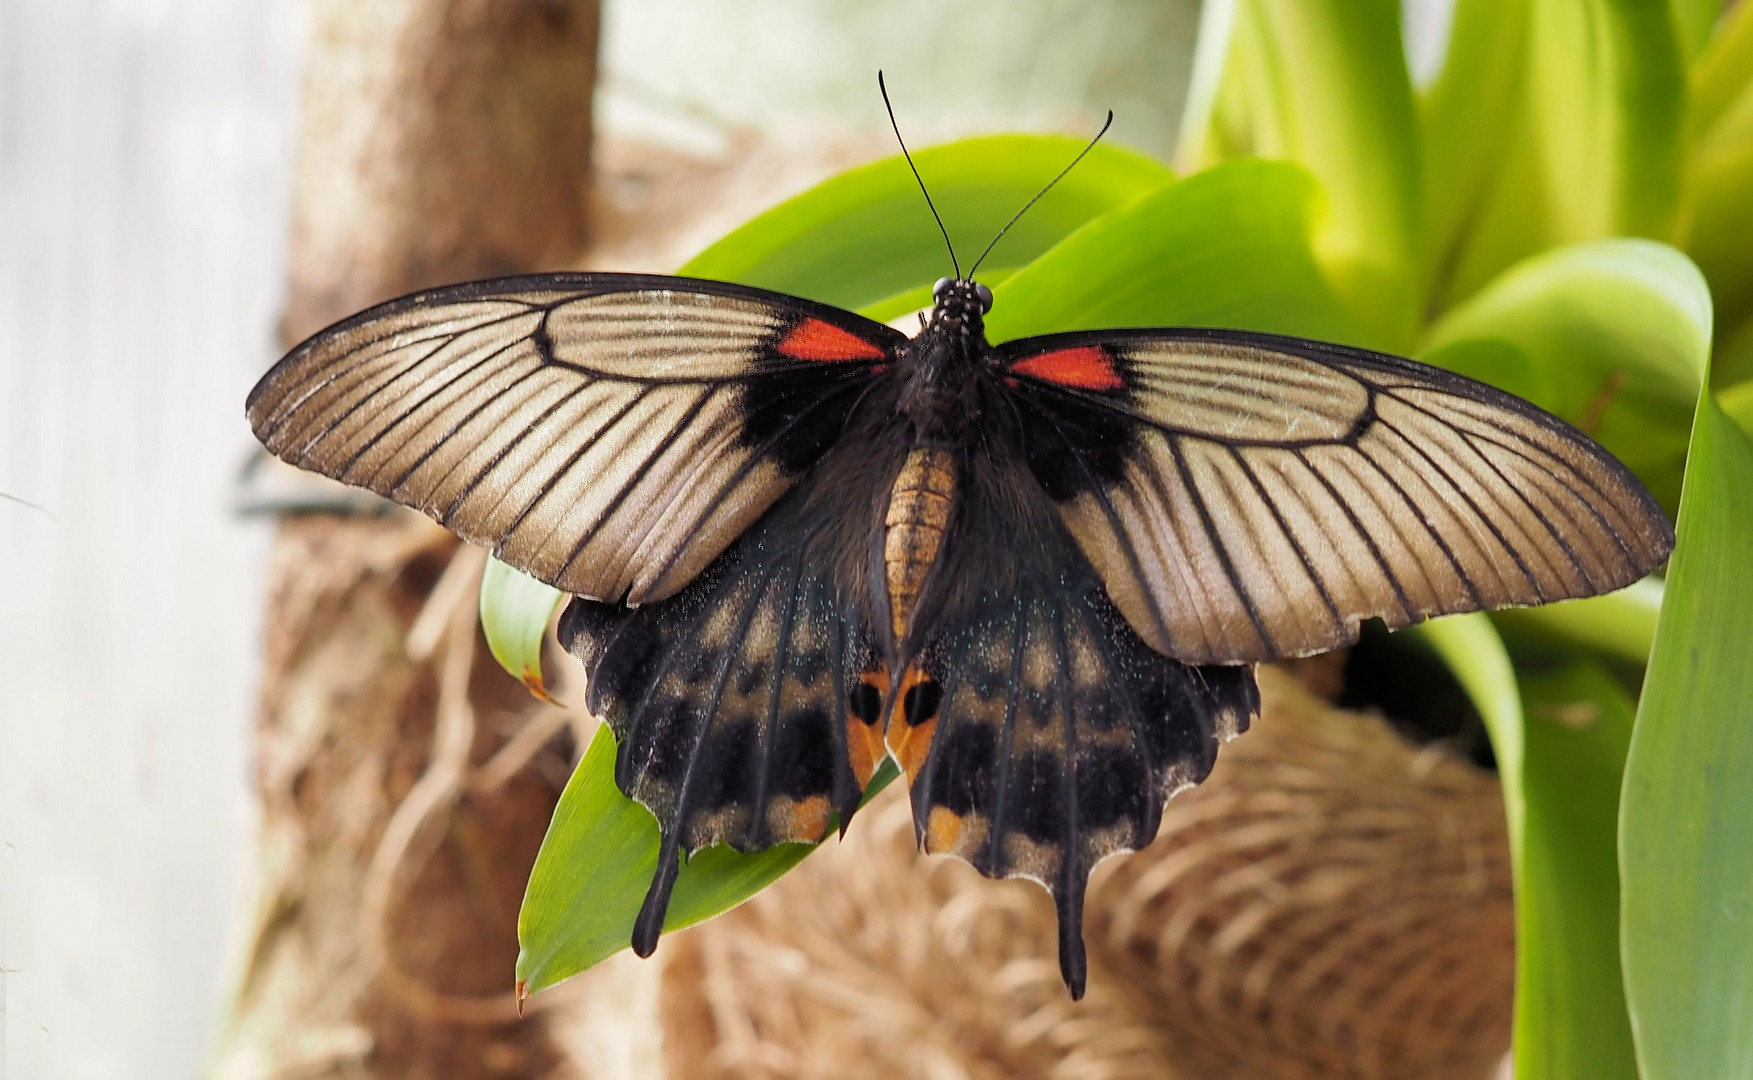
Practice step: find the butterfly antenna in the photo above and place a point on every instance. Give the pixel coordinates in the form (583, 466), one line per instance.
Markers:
(1043, 191)
(946, 233)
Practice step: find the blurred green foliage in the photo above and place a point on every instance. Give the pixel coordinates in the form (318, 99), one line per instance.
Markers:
(1551, 213)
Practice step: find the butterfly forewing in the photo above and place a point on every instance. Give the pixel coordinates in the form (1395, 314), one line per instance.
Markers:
(609, 434)
(1247, 497)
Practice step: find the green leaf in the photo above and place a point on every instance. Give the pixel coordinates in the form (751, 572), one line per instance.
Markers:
(1737, 403)
(1695, 19)
(1620, 625)
(1469, 114)
(596, 863)
(1570, 1005)
(1611, 336)
(515, 612)
(1721, 74)
(1559, 791)
(1323, 83)
(1686, 821)
(1552, 122)
(1719, 230)
(1230, 246)
(1475, 654)
(866, 236)
(1733, 362)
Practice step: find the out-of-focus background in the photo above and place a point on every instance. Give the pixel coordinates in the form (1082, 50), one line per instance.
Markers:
(146, 160)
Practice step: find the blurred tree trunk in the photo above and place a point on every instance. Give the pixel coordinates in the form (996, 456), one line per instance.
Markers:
(405, 784)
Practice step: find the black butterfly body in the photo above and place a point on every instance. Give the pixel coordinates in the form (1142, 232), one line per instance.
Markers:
(1037, 574)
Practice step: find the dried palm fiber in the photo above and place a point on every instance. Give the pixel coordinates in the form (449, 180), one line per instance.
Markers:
(439, 140)
(1332, 902)
(400, 804)
(404, 781)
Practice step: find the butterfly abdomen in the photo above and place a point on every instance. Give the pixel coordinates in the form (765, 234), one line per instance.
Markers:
(919, 510)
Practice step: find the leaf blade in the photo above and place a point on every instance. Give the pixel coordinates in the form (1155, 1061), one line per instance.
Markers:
(866, 235)
(1686, 819)
(516, 611)
(1323, 84)
(1609, 335)
(1230, 246)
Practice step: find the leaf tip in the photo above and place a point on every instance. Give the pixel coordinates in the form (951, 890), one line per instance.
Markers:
(522, 991)
(532, 681)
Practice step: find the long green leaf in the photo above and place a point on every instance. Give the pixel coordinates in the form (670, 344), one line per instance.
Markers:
(866, 235)
(1620, 625)
(1552, 122)
(1230, 246)
(1475, 654)
(1469, 115)
(1559, 787)
(1607, 335)
(1570, 1006)
(1322, 83)
(1737, 402)
(1695, 19)
(1686, 820)
(1721, 75)
(1719, 231)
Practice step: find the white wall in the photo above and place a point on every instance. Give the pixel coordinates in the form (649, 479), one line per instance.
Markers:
(144, 158)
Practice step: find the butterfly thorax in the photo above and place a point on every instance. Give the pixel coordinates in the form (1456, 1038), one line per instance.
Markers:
(940, 368)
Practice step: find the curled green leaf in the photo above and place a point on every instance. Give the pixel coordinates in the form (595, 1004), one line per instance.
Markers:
(516, 611)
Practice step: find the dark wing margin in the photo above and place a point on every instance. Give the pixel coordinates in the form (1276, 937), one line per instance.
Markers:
(744, 708)
(1248, 497)
(1038, 732)
(609, 434)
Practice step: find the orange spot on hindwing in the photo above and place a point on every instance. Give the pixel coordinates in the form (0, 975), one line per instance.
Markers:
(913, 721)
(1086, 367)
(864, 729)
(814, 339)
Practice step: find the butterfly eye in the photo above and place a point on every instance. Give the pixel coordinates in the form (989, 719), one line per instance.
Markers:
(942, 286)
(985, 296)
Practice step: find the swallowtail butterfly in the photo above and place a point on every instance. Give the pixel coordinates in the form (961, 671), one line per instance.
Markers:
(1037, 574)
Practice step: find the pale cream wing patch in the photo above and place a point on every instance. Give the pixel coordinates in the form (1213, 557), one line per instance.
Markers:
(1277, 492)
(594, 435)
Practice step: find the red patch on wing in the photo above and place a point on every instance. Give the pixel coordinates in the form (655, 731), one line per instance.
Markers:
(814, 339)
(1086, 367)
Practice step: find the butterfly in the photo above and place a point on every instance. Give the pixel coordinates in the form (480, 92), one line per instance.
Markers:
(1036, 574)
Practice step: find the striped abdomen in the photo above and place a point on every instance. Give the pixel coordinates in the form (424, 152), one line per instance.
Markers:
(919, 508)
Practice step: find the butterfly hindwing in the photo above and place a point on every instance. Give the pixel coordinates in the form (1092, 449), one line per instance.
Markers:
(744, 707)
(1038, 732)
(1248, 497)
(609, 434)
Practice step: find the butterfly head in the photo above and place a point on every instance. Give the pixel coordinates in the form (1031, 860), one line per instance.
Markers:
(960, 305)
